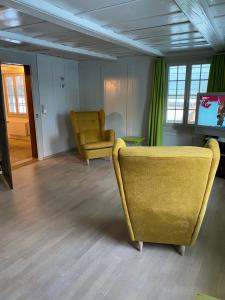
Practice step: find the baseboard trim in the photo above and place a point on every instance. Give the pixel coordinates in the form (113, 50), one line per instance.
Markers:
(60, 153)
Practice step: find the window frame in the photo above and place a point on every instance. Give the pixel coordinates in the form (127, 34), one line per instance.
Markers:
(188, 65)
(16, 114)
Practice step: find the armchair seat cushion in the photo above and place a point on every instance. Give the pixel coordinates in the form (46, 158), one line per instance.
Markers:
(97, 145)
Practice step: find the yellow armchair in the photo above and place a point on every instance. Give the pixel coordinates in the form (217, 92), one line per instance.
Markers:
(165, 190)
(93, 141)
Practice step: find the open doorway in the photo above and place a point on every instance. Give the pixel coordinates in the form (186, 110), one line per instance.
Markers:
(19, 114)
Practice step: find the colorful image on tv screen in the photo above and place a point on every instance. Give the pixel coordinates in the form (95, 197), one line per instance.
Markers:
(212, 111)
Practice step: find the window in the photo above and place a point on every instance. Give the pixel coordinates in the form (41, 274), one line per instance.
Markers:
(15, 94)
(199, 82)
(184, 82)
(176, 91)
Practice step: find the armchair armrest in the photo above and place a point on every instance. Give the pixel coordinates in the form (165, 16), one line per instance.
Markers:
(108, 135)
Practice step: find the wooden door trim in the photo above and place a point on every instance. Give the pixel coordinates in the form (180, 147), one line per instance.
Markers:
(30, 109)
(4, 145)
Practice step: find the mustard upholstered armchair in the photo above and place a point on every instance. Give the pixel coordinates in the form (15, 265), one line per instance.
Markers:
(165, 190)
(93, 141)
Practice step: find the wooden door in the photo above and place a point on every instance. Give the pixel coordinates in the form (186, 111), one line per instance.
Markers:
(4, 147)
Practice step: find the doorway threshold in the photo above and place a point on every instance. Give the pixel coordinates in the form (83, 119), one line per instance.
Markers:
(23, 163)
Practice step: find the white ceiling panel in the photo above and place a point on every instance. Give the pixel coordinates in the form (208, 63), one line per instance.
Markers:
(186, 48)
(161, 30)
(58, 34)
(217, 11)
(131, 11)
(173, 37)
(120, 27)
(180, 42)
(40, 30)
(150, 21)
(215, 2)
(82, 6)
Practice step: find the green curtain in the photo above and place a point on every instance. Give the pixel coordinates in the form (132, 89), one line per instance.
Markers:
(216, 81)
(157, 101)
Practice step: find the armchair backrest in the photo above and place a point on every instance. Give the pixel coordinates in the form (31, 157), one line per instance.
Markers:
(165, 190)
(90, 123)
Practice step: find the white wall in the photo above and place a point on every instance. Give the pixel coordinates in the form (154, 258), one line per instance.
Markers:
(57, 101)
(121, 88)
(90, 85)
(181, 136)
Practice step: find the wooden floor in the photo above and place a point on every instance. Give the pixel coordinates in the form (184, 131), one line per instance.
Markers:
(20, 152)
(63, 236)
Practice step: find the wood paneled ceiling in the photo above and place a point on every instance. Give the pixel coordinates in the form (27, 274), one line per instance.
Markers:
(108, 29)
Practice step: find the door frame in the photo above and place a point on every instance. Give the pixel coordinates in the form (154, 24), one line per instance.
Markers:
(4, 145)
(29, 103)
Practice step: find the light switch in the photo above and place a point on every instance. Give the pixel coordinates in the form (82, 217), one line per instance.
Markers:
(43, 110)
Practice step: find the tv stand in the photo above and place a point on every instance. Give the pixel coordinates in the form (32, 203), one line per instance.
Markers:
(221, 167)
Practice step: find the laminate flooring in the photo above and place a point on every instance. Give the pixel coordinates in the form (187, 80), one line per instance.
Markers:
(20, 152)
(63, 236)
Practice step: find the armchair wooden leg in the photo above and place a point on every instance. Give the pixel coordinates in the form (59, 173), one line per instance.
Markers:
(181, 249)
(87, 160)
(139, 246)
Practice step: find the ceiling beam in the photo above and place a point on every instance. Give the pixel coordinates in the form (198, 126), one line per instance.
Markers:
(10, 36)
(51, 13)
(198, 13)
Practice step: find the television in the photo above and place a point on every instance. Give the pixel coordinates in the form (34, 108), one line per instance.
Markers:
(210, 117)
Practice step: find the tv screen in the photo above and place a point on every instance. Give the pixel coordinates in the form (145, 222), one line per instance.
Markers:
(210, 118)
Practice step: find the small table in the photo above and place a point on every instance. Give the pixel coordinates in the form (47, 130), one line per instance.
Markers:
(205, 297)
(133, 140)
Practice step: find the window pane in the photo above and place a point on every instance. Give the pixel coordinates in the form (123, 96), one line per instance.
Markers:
(11, 96)
(196, 71)
(205, 71)
(21, 104)
(179, 116)
(195, 87)
(9, 83)
(12, 104)
(203, 86)
(21, 100)
(181, 72)
(180, 87)
(171, 104)
(180, 103)
(20, 94)
(173, 73)
(191, 116)
(192, 102)
(19, 85)
(172, 87)
(170, 116)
